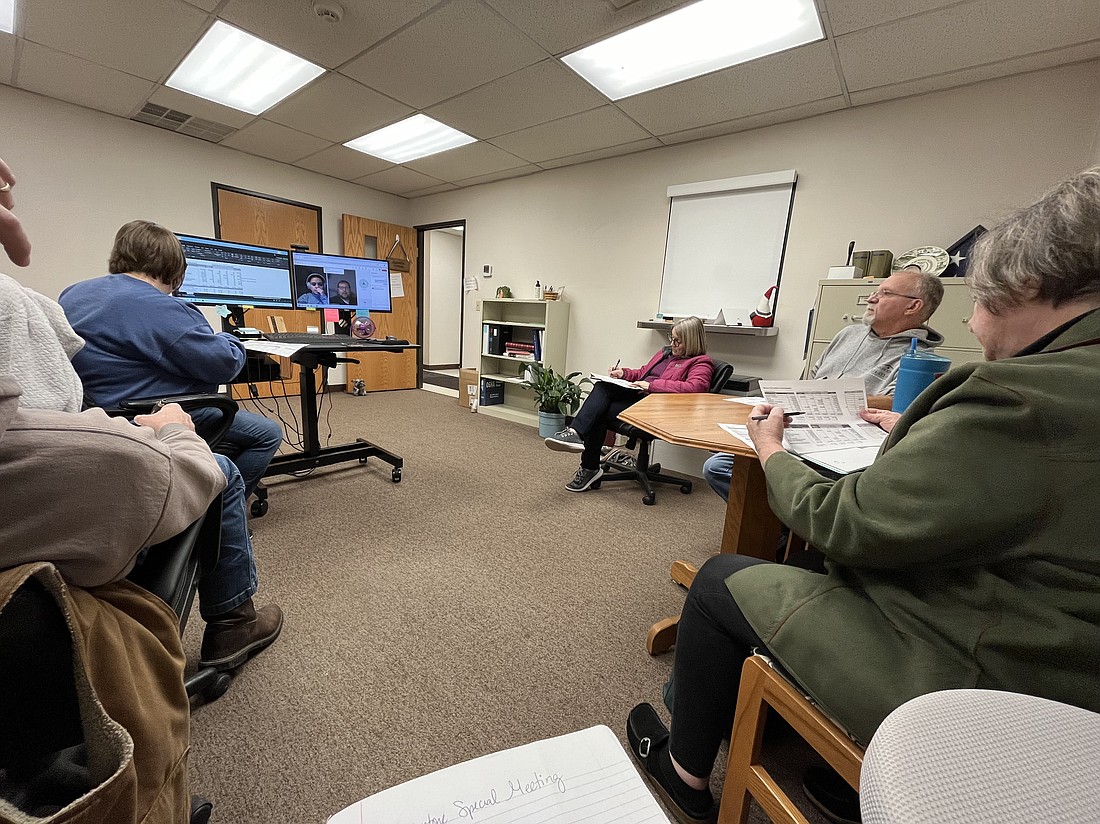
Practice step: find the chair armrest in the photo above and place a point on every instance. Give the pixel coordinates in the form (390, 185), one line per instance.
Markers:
(226, 405)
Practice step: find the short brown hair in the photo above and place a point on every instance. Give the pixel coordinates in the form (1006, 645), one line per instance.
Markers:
(149, 249)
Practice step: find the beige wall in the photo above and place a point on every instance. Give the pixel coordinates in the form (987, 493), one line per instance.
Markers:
(82, 174)
(894, 175)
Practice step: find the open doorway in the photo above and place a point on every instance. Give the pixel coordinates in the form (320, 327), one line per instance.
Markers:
(442, 259)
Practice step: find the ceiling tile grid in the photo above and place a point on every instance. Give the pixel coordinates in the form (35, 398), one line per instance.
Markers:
(491, 69)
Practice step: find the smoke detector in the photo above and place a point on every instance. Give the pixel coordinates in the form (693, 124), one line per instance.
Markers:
(328, 10)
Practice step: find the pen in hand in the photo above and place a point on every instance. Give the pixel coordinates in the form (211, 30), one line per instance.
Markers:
(785, 415)
(616, 366)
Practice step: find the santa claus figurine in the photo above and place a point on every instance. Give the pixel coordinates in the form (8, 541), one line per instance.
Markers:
(763, 315)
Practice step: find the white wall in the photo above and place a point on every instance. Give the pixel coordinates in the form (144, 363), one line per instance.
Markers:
(895, 175)
(82, 174)
(442, 296)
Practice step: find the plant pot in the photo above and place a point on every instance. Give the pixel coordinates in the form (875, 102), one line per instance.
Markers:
(550, 423)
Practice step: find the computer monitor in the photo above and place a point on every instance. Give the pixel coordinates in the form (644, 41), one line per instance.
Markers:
(223, 272)
(340, 282)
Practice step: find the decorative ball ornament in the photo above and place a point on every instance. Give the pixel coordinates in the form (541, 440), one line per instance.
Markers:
(362, 327)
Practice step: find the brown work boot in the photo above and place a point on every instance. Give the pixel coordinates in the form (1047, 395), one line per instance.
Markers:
(233, 636)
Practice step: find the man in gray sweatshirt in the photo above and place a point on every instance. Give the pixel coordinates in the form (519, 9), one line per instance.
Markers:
(896, 313)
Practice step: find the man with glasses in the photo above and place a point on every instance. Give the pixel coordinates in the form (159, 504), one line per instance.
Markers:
(896, 313)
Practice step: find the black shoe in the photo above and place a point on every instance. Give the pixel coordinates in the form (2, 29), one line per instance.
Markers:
(832, 795)
(648, 739)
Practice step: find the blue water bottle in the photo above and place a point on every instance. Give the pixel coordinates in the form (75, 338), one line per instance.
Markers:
(918, 369)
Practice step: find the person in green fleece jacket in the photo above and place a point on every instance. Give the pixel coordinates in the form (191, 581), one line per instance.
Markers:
(964, 557)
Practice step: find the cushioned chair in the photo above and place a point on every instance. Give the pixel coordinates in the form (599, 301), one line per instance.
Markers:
(983, 757)
(641, 470)
(763, 687)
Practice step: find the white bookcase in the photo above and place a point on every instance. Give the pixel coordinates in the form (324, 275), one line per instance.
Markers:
(522, 321)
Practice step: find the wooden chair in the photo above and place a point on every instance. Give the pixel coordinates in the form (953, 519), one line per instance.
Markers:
(763, 687)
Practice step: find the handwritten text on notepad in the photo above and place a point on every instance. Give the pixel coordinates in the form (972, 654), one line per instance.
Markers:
(516, 787)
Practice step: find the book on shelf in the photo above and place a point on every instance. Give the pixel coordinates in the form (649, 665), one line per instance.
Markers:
(577, 778)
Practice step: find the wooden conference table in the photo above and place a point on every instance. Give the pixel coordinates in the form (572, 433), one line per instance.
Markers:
(751, 527)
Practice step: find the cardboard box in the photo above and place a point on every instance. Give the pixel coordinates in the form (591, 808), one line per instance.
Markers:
(492, 392)
(467, 387)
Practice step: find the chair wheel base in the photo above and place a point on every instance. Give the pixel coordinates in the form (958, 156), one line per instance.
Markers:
(260, 507)
(650, 499)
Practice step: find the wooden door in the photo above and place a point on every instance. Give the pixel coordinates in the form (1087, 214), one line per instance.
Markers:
(372, 238)
(245, 217)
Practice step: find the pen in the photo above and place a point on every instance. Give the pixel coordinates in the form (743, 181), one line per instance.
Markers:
(785, 415)
(616, 366)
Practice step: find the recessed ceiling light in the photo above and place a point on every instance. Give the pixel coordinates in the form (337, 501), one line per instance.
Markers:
(7, 16)
(700, 38)
(410, 139)
(234, 68)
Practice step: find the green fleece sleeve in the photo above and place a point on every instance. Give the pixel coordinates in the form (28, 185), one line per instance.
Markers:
(954, 474)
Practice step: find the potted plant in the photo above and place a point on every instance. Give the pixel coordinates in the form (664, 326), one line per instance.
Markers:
(555, 395)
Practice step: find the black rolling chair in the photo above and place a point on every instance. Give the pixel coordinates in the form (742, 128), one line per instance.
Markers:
(641, 470)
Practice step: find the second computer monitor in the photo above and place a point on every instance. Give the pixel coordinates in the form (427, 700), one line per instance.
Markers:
(221, 271)
(340, 282)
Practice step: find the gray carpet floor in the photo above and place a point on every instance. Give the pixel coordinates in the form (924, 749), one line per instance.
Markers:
(474, 606)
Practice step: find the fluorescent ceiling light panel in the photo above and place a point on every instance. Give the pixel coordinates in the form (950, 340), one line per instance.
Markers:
(410, 139)
(7, 16)
(701, 38)
(234, 68)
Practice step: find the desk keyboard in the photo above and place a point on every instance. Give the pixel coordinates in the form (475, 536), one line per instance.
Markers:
(327, 340)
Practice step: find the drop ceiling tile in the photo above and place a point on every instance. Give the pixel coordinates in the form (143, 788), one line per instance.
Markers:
(507, 174)
(756, 121)
(432, 190)
(398, 180)
(7, 58)
(147, 38)
(275, 141)
(778, 81)
(207, 5)
(69, 78)
(852, 15)
(338, 109)
(963, 77)
(560, 26)
(584, 132)
(342, 162)
(466, 161)
(293, 25)
(457, 47)
(972, 34)
(200, 107)
(600, 154)
(536, 94)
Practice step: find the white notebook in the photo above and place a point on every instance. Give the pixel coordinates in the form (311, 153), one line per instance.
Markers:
(580, 778)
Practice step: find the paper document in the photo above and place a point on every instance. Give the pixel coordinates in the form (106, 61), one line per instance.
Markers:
(830, 421)
(283, 350)
(749, 400)
(739, 431)
(616, 381)
(579, 778)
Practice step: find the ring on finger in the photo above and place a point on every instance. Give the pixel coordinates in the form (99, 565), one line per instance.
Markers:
(6, 187)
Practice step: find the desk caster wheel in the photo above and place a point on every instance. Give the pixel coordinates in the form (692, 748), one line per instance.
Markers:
(650, 499)
(362, 460)
(217, 688)
(259, 507)
(685, 489)
(396, 475)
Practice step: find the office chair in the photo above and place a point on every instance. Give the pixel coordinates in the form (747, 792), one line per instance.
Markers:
(643, 472)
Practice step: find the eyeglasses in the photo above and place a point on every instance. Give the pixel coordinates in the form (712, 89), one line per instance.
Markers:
(879, 294)
(673, 339)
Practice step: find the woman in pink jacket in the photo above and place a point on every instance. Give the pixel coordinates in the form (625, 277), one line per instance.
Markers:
(681, 367)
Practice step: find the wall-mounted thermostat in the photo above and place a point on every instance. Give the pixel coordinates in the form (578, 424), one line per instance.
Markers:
(487, 270)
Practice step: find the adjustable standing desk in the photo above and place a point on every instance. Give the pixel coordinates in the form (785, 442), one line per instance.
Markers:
(326, 355)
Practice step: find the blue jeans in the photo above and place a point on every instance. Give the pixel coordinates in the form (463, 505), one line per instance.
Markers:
(251, 442)
(232, 581)
(718, 470)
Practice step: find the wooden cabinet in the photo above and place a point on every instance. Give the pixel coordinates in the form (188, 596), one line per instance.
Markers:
(842, 302)
(523, 322)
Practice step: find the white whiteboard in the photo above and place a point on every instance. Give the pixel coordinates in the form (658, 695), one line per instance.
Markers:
(725, 245)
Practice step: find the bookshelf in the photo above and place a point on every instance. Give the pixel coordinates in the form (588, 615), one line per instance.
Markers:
(511, 332)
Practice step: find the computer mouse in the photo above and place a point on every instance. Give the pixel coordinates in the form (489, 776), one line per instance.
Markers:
(390, 337)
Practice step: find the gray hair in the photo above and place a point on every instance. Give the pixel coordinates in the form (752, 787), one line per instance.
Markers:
(930, 291)
(1047, 252)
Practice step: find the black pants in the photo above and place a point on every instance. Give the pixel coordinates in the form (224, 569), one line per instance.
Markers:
(598, 412)
(712, 642)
